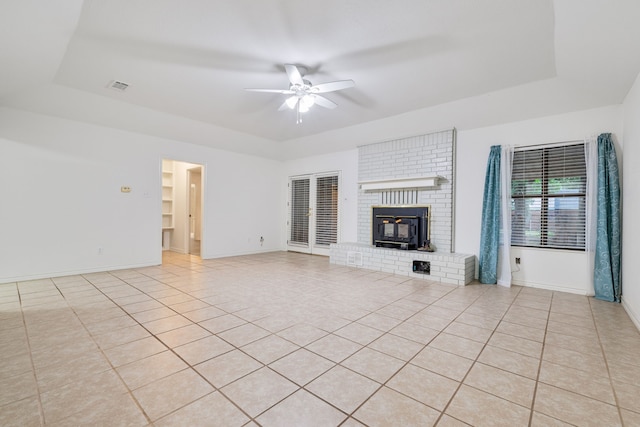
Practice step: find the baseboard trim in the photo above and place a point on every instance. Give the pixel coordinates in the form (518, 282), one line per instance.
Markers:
(551, 287)
(53, 274)
(632, 314)
(239, 253)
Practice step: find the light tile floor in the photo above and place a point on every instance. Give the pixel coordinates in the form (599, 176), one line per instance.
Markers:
(285, 339)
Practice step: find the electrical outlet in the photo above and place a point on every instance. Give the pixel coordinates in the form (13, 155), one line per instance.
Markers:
(125, 189)
(518, 260)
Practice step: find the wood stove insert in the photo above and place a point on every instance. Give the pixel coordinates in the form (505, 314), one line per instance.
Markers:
(401, 227)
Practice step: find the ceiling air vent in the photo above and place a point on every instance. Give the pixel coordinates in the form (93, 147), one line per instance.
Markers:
(116, 85)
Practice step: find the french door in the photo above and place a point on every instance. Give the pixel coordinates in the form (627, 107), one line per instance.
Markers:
(313, 213)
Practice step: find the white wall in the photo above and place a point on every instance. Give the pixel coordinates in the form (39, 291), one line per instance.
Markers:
(631, 203)
(559, 270)
(347, 163)
(61, 200)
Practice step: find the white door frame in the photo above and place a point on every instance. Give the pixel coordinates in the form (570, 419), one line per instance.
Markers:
(198, 221)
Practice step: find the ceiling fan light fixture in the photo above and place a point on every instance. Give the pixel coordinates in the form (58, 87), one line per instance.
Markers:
(302, 107)
(308, 100)
(291, 102)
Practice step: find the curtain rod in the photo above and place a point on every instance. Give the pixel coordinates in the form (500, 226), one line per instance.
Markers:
(547, 144)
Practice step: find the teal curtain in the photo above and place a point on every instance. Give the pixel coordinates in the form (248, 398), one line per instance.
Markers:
(606, 276)
(490, 231)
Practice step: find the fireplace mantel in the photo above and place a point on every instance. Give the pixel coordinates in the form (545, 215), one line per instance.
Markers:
(397, 183)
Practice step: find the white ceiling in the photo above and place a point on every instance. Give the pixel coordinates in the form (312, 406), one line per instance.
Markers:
(187, 63)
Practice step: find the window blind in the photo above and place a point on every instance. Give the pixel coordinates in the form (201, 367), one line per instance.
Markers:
(548, 197)
(327, 210)
(299, 211)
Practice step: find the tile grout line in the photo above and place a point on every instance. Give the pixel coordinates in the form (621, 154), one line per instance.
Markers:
(409, 361)
(542, 350)
(461, 382)
(102, 351)
(33, 366)
(189, 366)
(235, 348)
(606, 362)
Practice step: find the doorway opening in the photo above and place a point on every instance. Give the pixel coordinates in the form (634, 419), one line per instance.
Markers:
(313, 222)
(194, 183)
(182, 207)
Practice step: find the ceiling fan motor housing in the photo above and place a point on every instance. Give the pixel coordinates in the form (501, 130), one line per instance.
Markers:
(302, 90)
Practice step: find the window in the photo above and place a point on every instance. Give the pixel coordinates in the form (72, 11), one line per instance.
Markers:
(548, 197)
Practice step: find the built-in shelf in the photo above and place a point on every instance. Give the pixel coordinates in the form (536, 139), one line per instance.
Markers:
(396, 183)
(167, 203)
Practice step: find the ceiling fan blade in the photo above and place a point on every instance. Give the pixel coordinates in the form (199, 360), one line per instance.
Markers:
(282, 91)
(294, 74)
(324, 102)
(332, 86)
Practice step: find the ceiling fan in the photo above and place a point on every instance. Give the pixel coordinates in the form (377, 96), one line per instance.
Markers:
(303, 94)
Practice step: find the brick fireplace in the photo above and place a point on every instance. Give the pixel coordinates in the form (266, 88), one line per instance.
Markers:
(415, 171)
(410, 171)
